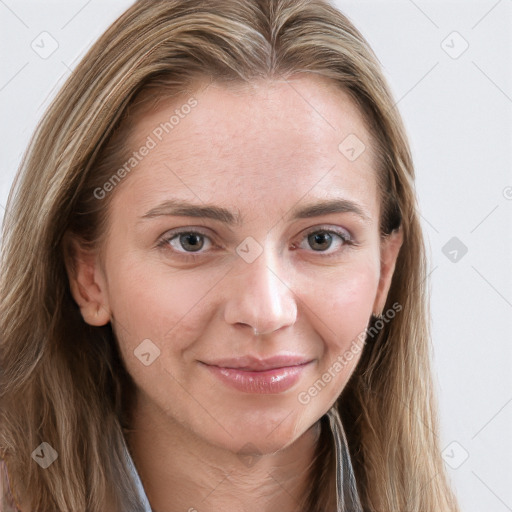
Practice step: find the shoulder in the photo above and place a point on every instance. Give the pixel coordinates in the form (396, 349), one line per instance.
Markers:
(7, 502)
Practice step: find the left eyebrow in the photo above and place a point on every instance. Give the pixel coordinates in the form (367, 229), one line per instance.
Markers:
(338, 205)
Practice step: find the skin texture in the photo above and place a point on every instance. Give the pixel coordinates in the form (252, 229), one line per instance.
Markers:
(259, 151)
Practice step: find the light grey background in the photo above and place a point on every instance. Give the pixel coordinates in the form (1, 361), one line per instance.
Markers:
(457, 106)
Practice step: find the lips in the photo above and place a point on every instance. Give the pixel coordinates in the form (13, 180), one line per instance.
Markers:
(262, 376)
(254, 364)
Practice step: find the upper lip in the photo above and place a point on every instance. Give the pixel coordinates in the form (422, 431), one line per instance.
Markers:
(251, 363)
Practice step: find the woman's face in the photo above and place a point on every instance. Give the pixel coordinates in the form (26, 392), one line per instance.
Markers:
(257, 209)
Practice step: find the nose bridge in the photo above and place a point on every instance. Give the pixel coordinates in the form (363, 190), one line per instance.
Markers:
(260, 297)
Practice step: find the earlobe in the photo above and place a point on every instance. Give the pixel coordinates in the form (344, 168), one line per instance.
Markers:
(87, 284)
(93, 312)
(390, 248)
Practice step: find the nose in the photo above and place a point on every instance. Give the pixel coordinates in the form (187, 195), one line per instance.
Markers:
(258, 297)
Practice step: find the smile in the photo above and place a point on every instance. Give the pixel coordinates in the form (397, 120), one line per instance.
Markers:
(249, 379)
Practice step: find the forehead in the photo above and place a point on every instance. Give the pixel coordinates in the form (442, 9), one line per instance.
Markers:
(254, 142)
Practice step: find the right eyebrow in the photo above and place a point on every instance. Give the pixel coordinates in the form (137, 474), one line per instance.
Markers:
(182, 208)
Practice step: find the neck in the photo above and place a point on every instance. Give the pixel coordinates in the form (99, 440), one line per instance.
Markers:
(182, 472)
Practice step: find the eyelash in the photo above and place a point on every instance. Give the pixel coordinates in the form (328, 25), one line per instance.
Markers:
(164, 242)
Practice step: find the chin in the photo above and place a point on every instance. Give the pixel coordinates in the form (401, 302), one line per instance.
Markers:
(264, 431)
(255, 445)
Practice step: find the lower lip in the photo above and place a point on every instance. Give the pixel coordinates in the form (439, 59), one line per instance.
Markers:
(276, 380)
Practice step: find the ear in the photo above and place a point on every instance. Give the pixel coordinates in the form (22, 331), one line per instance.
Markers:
(87, 282)
(389, 249)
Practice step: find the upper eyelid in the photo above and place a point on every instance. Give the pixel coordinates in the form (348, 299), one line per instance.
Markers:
(325, 227)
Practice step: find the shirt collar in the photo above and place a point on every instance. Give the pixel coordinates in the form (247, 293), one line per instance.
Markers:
(141, 494)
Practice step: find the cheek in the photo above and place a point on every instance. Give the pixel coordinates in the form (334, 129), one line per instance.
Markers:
(342, 308)
(149, 303)
(343, 301)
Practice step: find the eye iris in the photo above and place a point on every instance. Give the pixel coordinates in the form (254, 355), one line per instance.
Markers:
(196, 243)
(320, 238)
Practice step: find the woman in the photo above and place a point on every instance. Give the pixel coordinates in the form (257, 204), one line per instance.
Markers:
(213, 276)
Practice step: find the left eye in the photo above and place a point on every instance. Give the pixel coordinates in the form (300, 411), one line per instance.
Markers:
(322, 239)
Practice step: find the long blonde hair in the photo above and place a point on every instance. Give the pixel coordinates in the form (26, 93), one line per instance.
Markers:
(63, 381)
